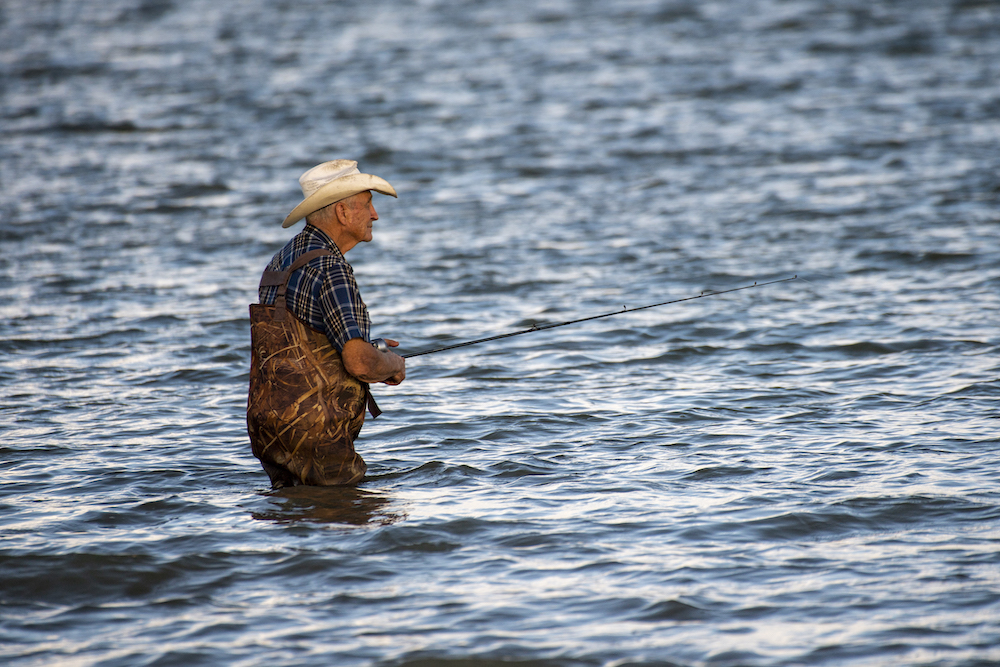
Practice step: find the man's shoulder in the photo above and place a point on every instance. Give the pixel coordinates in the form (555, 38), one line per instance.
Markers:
(308, 240)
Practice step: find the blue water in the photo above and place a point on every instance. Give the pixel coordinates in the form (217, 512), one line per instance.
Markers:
(804, 473)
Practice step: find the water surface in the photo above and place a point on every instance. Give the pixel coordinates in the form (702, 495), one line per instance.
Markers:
(803, 473)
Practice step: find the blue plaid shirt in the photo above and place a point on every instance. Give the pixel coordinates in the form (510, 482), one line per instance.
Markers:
(323, 293)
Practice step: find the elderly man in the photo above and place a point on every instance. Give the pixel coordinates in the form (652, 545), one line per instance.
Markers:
(311, 357)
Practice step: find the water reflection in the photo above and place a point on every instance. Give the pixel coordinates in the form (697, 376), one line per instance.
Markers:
(329, 504)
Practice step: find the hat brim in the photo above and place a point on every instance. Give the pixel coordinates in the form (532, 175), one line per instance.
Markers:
(334, 191)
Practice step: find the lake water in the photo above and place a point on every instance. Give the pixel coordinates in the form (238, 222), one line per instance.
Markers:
(804, 473)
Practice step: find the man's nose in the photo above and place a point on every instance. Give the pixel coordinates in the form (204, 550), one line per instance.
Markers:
(374, 214)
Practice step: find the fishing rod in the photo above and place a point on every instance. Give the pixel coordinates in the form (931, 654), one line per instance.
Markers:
(381, 345)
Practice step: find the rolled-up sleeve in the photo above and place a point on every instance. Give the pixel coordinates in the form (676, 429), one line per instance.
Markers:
(345, 315)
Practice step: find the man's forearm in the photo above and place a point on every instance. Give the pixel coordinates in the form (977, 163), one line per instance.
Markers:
(367, 364)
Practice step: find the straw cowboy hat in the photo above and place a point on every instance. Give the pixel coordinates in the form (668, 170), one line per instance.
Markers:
(330, 182)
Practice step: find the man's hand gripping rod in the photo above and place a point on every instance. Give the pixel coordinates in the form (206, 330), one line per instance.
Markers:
(381, 345)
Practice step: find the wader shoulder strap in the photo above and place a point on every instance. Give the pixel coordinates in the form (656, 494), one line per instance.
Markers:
(280, 278)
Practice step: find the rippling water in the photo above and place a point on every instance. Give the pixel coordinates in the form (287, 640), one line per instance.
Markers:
(804, 473)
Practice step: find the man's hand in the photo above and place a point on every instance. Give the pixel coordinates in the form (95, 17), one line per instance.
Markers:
(367, 364)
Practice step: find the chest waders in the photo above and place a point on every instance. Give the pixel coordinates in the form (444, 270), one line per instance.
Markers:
(304, 409)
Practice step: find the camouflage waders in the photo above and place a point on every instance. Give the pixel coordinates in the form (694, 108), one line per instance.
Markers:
(304, 409)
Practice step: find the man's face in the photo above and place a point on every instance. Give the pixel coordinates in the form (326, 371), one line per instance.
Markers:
(361, 215)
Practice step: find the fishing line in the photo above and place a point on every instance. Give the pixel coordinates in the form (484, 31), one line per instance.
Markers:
(543, 327)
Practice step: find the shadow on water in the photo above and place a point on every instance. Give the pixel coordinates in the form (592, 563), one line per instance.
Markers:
(330, 504)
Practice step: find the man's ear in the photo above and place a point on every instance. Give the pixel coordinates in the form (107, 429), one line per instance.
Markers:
(340, 211)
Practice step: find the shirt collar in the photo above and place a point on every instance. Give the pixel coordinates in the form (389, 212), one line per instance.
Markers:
(322, 237)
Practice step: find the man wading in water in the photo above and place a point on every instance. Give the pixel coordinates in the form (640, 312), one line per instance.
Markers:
(311, 359)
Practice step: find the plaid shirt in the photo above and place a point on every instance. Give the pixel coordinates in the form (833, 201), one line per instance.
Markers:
(323, 293)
